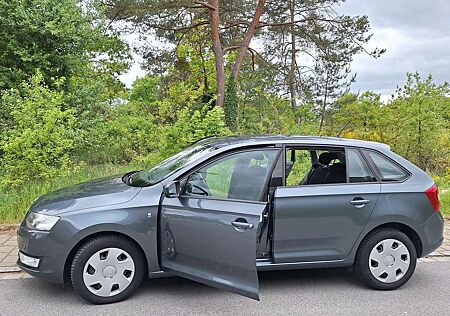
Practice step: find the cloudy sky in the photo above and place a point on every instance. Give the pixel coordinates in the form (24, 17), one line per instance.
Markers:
(415, 33)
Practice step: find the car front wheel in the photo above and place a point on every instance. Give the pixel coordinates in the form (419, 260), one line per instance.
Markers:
(386, 259)
(107, 269)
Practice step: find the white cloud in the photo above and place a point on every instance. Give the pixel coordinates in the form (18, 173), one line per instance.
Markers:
(415, 34)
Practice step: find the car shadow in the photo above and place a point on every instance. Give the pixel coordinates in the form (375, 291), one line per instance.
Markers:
(268, 281)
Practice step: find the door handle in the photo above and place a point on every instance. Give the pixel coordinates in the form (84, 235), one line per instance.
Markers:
(242, 225)
(359, 202)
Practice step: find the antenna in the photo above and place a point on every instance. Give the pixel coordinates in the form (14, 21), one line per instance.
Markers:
(342, 129)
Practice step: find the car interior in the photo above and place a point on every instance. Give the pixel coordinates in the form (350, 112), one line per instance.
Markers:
(315, 167)
(238, 177)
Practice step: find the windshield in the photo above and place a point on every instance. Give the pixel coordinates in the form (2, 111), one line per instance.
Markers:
(169, 166)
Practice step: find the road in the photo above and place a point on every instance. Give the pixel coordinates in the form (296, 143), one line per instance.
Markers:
(304, 292)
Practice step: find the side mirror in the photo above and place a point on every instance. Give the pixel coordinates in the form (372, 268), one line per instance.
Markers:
(172, 189)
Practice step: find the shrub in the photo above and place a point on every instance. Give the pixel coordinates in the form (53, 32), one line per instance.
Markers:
(38, 135)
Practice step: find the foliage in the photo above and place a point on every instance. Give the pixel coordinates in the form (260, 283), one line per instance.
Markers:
(416, 123)
(37, 142)
(15, 203)
(231, 104)
(56, 37)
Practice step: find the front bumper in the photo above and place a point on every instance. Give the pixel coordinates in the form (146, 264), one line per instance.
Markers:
(41, 245)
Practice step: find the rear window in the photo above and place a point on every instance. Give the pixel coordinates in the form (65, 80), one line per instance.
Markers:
(388, 170)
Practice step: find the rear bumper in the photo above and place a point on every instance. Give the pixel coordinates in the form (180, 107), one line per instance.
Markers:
(41, 245)
(432, 234)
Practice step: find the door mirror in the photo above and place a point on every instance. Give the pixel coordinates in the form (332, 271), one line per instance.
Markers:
(172, 189)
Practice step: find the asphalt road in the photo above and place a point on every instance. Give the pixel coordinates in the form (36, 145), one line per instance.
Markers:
(304, 292)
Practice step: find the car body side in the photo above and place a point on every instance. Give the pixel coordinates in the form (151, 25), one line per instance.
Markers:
(138, 218)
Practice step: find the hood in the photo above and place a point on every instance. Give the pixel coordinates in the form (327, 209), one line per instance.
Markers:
(101, 192)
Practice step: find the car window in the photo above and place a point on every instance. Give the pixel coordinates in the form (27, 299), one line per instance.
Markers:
(170, 165)
(240, 176)
(358, 170)
(388, 170)
(297, 166)
(315, 166)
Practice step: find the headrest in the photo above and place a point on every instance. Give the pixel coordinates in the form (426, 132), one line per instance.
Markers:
(257, 156)
(326, 158)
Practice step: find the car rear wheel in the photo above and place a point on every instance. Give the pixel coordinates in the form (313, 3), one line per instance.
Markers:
(386, 259)
(107, 269)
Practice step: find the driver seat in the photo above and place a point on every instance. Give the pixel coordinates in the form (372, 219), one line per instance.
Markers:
(247, 182)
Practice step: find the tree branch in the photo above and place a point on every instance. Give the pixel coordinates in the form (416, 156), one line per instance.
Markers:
(248, 37)
(206, 5)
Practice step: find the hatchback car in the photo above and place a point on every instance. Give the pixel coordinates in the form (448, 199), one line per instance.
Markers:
(226, 208)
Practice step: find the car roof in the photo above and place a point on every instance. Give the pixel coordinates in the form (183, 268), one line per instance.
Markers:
(242, 141)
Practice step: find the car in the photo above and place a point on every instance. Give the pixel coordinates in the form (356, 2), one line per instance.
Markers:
(226, 208)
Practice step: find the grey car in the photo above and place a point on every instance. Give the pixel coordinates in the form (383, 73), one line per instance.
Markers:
(226, 208)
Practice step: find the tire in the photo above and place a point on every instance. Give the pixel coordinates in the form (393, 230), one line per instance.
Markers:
(107, 269)
(386, 259)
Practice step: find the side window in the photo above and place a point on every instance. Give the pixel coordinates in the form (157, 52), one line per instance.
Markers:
(240, 176)
(315, 166)
(298, 164)
(358, 170)
(388, 170)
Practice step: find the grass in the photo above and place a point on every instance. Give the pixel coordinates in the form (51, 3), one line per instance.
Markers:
(15, 203)
(444, 194)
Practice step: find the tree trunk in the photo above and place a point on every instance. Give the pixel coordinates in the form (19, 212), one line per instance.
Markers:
(248, 37)
(324, 106)
(292, 86)
(217, 50)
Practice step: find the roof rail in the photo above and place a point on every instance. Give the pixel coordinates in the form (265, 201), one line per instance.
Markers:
(202, 139)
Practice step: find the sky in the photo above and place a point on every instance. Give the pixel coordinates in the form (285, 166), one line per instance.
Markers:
(415, 34)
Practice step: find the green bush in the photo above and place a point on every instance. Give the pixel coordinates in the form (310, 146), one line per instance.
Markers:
(38, 136)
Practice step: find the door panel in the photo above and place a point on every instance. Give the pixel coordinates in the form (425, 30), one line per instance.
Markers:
(320, 222)
(212, 241)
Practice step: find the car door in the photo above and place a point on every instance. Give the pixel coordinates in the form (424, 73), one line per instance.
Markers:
(321, 222)
(208, 234)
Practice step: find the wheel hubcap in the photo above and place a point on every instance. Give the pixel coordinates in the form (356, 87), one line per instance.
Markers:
(389, 260)
(108, 272)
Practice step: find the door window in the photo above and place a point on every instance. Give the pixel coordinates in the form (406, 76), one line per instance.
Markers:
(388, 170)
(315, 166)
(358, 170)
(298, 164)
(240, 176)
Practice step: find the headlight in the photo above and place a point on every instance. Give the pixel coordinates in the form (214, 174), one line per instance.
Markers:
(40, 221)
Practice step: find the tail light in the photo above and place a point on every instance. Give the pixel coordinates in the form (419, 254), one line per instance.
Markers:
(433, 195)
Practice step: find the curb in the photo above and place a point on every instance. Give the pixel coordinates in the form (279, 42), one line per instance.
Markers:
(9, 269)
(9, 228)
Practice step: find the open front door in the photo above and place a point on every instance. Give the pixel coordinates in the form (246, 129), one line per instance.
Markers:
(212, 242)
(209, 233)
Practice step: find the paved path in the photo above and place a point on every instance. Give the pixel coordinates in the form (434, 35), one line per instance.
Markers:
(302, 292)
(8, 253)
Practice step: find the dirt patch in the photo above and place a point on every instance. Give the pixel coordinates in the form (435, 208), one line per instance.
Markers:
(9, 229)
